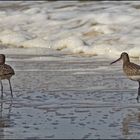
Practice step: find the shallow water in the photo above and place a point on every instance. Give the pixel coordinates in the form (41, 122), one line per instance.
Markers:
(69, 96)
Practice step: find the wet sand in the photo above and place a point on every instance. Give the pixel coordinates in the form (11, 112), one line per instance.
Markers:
(69, 97)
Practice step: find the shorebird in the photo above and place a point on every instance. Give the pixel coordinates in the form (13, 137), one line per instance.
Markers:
(6, 72)
(131, 70)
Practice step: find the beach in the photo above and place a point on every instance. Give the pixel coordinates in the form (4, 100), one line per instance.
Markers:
(64, 86)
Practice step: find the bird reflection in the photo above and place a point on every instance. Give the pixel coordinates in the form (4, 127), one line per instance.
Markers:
(129, 121)
(5, 116)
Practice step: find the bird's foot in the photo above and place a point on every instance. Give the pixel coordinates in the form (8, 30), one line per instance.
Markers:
(1, 96)
(11, 96)
(137, 99)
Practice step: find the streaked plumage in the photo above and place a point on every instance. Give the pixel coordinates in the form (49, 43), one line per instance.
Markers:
(6, 72)
(131, 70)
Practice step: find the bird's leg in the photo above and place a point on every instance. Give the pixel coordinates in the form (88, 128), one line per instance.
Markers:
(10, 87)
(1, 109)
(1, 88)
(10, 108)
(138, 93)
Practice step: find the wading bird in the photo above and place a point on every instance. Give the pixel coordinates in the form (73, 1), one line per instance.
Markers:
(131, 70)
(6, 72)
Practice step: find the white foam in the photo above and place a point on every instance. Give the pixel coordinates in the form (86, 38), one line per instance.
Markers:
(134, 52)
(37, 42)
(74, 44)
(102, 28)
(13, 38)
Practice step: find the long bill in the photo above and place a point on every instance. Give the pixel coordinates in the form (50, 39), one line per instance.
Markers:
(115, 61)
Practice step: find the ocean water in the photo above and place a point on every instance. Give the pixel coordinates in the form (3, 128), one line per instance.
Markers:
(104, 28)
(64, 87)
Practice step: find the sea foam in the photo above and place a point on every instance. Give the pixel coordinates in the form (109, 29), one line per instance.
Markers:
(101, 28)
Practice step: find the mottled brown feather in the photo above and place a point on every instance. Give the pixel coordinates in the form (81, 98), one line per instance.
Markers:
(6, 71)
(131, 69)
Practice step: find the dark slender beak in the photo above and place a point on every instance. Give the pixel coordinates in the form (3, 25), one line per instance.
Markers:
(115, 61)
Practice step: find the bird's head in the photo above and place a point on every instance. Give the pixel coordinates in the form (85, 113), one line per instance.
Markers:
(2, 59)
(124, 56)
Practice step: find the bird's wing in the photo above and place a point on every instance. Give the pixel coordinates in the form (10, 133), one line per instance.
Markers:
(6, 70)
(136, 68)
